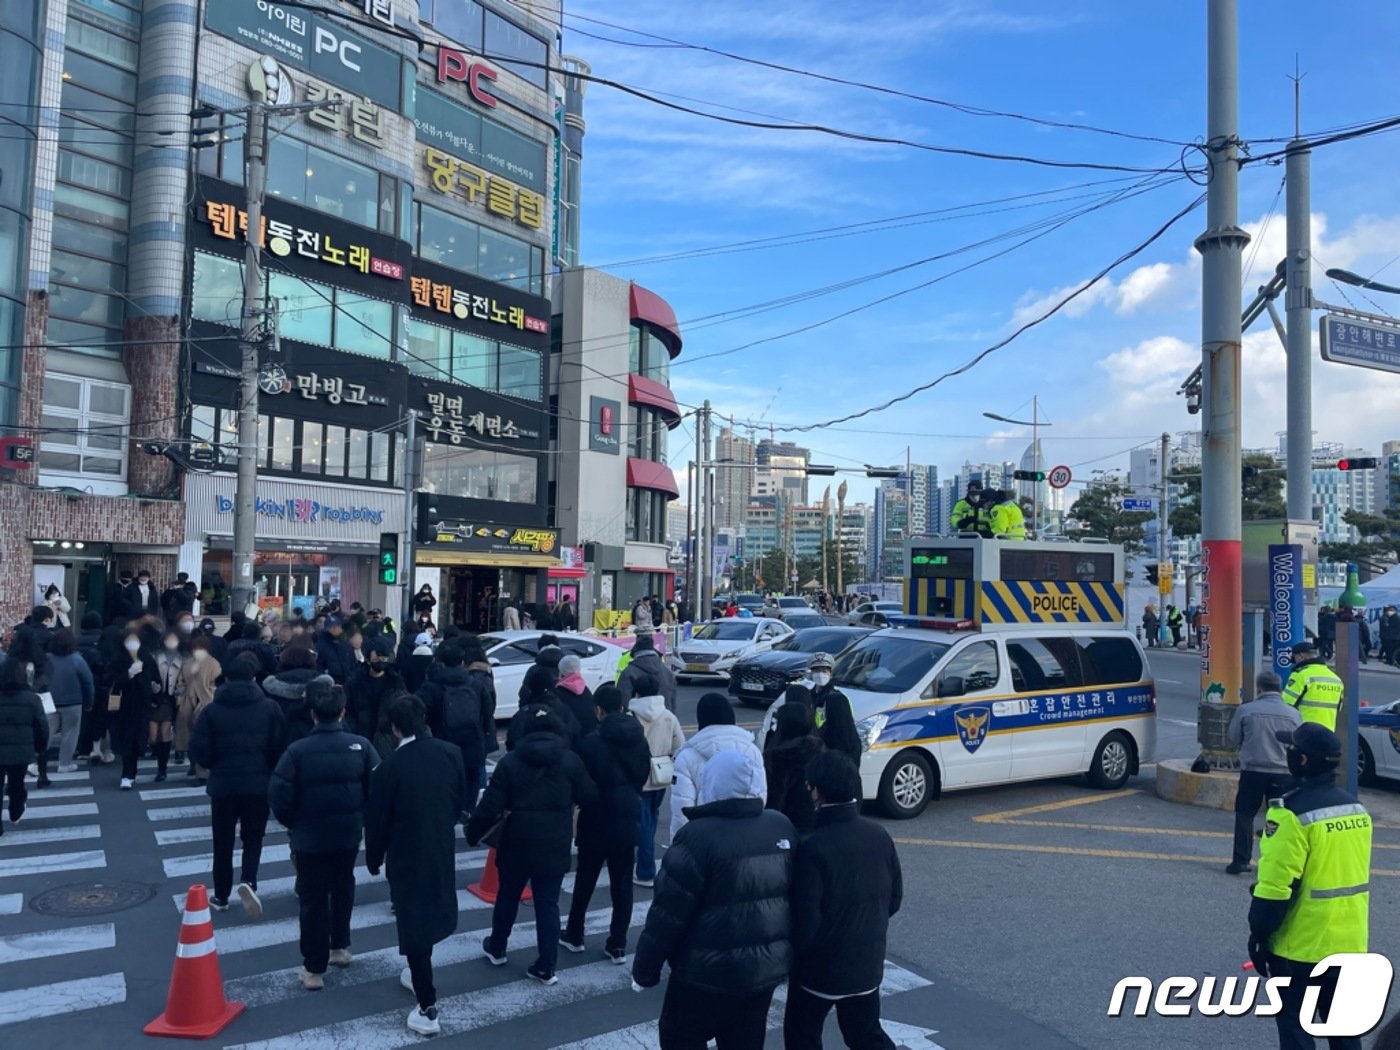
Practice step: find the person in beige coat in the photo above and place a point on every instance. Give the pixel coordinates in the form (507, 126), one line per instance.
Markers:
(198, 676)
(664, 739)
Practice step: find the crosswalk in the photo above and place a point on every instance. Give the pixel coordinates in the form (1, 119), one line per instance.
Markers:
(111, 970)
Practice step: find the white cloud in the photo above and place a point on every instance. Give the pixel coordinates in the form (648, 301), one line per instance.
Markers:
(1142, 285)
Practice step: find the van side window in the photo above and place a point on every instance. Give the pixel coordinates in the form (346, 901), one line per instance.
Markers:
(1043, 663)
(976, 666)
(1110, 660)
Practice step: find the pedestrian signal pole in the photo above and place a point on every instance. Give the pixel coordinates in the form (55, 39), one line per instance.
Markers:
(412, 465)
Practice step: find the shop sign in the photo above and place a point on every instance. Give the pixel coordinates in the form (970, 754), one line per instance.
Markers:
(312, 42)
(465, 305)
(343, 111)
(312, 386)
(446, 415)
(299, 511)
(498, 539)
(16, 453)
(379, 10)
(571, 559)
(487, 143)
(497, 195)
(602, 425)
(283, 239)
(456, 65)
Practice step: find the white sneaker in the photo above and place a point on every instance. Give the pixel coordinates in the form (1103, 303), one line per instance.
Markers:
(68, 767)
(312, 982)
(108, 758)
(424, 1022)
(33, 770)
(251, 904)
(126, 783)
(406, 979)
(340, 957)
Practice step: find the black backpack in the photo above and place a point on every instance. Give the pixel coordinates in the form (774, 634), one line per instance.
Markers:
(97, 664)
(461, 708)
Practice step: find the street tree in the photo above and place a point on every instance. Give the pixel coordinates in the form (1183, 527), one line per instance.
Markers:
(1099, 511)
(1261, 494)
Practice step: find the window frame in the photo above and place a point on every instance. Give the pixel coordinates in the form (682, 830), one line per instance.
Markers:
(85, 427)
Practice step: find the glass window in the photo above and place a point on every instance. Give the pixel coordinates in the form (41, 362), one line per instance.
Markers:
(98, 76)
(458, 20)
(87, 424)
(114, 9)
(447, 239)
(886, 663)
(380, 454)
(283, 443)
(1110, 660)
(203, 423)
(74, 335)
(83, 305)
(111, 145)
(87, 206)
(505, 40)
(306, 175)
(478, 473)
(1036, 664)
(519, 372)
(388, 205)
(634, 350)
(311, 444)
(86, 272)
(95, 174)
(217, 294)
(363, 325)
(474, 360)
(90, 240)
(88, 38)
(977, 667)
(429, 348)
(262, 442)
(359, 454)
(304, 309)
(335, 451)
(502, 258)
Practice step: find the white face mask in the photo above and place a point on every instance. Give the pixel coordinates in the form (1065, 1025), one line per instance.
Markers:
(820, 678)
(171, 644)
(133, 646)
(199, 655)
(185, 626)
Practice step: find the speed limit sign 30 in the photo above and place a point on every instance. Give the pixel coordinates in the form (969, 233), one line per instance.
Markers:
(1059, 477)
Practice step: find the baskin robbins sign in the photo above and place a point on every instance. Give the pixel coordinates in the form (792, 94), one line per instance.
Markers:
(301, 511)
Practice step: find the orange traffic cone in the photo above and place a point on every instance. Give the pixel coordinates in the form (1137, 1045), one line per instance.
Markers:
(196, 1007)
(490, 885)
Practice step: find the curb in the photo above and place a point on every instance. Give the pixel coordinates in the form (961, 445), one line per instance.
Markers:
(1176, 783)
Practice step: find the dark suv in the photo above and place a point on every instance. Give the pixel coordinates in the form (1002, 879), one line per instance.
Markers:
(761, 679)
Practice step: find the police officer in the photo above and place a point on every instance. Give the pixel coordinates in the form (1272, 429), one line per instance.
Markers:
(1313, 687)
(1312, 898)
(1006, 520)
(832, 714)
(969, 513)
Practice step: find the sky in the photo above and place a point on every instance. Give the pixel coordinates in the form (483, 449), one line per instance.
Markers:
(793, 333)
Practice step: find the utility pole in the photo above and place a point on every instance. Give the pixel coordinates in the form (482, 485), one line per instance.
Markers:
(1162, 533)
(826, 534)
(1222, 248)
(245, 518)
(707, 518)
(1298, 307)
(412, 466)
(690, 537)
(1035, 465)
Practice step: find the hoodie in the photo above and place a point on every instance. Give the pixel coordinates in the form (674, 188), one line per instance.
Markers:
(692, 759)
(288, 689)
(573, 693)
(662, 730)
(238, 738)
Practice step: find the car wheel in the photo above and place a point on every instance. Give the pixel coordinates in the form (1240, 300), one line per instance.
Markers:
(907, 785)
(1365, 762)
(1113, 761)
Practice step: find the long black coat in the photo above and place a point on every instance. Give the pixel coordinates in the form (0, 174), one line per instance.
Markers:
(415, 801)
(785, 764)
(238, 738)
(320, 788)
(137, 698)
(336, 657)
(365, 694)
(131, 604)
(24, 729)
(540, 781)
(619, 761)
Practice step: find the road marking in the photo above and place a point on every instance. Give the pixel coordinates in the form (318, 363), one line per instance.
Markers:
(52, 862)
(202, 833)
(199, 863)
(1134, 830)
(48, 793)
(65, 778)
(161, 794)
(11, 903)
(1169, 681)
(77, 809)
(31, 836)
(179, 813)
(65, 997)
(283, 931)
(23, 947)
(644, 1036)
(463, 946)
(1050, 807)
(1177, 722)
(910, 1036)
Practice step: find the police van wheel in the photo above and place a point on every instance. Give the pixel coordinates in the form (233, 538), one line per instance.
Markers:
(1113, 761)
(1365, 763)
(907, 786)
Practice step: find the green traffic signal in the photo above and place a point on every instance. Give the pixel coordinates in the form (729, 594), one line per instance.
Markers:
(389, 577)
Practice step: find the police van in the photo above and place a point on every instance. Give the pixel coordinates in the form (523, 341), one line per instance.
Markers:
(1012, 663)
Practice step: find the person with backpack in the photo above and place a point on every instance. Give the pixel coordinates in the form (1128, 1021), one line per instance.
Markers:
(616, 756)
(537, 691)
(664, 740)
(458, 705)
(369, 688)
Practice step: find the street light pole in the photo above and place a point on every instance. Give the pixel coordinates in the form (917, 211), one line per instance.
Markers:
(1035, 465)
(1298, 306)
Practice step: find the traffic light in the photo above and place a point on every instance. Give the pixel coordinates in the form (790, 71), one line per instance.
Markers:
(1028, 475)
(1249, 472)
(389, 559)
(426, 527)
(1358, 463)
(1151, 573)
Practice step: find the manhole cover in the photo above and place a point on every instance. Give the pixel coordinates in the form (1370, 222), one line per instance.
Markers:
(92, 898)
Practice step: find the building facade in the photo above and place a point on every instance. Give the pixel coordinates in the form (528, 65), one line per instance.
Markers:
(733, 484)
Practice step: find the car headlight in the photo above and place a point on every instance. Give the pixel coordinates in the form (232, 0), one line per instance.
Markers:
(733, 654)
(869, 730)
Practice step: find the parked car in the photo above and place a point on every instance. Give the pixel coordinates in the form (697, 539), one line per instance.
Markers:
(760, 679)
(786, 603)
(874, 614)
(716, 646)
(798, 619)
(1378, 753)
(511, 653)
(752, 602)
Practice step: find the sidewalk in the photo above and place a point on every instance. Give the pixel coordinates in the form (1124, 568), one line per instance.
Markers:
(1375, 666)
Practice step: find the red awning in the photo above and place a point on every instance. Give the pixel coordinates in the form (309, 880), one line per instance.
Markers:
(644, 474)
(655, 311)
(644, 391)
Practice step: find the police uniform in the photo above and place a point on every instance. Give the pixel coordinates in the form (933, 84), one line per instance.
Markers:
(1312, 899)
(969, 517)
(1316, 691)
(1007, 520)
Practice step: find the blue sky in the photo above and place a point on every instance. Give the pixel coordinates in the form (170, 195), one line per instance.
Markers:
(658, 182)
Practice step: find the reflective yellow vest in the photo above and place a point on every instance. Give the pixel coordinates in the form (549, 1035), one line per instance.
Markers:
(1008, 522)
(1316, 691)
(967, 518)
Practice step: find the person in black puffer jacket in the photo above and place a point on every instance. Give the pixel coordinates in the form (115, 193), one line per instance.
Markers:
(459, 702)
(370, 687)
(333, 651)
(846, 884)
(539, 783)
(24, 732)
(786, 765)
(618, 759)
(295, 670)
(238, 738)
(319, 790)
(720, 915)
(536, 692)
(251, 642)
(478, 665)
(573, 693)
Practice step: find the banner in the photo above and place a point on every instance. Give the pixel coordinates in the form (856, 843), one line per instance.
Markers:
(1285, 604)
(1222, 652)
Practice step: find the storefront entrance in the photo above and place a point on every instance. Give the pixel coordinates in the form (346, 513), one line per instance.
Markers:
(288, 580)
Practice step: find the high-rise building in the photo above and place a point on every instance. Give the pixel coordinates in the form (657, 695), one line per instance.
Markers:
(733, 484)
(1337, 491)
(892, 514)
(781, 471)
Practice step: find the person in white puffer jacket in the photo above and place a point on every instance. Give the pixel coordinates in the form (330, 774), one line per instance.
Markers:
(715, 717)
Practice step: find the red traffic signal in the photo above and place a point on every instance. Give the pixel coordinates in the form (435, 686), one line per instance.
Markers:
(1359, 463)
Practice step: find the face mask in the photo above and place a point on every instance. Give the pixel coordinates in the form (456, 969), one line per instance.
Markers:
(186, 626)
(820, 678)
(133, 646)
(376, 667)
(199, 655)
(1295, 764)
(171, 644)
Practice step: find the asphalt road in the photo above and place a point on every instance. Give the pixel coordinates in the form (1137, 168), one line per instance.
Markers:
(1024, 906)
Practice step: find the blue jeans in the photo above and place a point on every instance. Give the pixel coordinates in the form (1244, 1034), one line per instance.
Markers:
(646, 834)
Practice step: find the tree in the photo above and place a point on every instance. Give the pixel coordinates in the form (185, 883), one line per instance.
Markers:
(1261, 495)
(1100, 512)
(1379, 542)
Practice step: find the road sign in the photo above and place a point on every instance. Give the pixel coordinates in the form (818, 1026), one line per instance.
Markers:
(1348, 341)
(1164, 578)
(1129, 503)
(1059, 477)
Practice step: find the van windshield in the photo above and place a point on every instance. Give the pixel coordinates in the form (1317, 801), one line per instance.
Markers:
(887, 663)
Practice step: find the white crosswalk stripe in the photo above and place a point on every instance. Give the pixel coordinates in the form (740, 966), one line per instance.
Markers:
(65, 997)
(12, 867)
(36, 808)
(11, 903)
(27, 835)
(22, 947)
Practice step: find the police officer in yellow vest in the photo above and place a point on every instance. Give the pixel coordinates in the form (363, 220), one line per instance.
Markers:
(970, 512)
(1313, 687)
(1312, 899)
(1007, 520)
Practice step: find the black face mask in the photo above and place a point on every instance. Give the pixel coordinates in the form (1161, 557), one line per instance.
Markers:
(376, 667)
(1295, 764)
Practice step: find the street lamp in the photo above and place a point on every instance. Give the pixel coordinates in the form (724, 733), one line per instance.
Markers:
(1357, 281)
(1035, 424)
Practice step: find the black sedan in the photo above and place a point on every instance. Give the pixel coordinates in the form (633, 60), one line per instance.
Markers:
(760, 679)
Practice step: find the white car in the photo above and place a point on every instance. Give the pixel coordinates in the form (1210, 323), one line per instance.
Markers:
(874, 614)
(718, 645)
(512, 653)
(1379, 749)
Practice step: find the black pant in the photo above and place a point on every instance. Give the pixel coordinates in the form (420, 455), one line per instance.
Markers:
(326, 892)
(249, 814)
(13, 776)
(420, 968)
(1175, 629)
(94, 726)
(544, 889)
(858, 1017)
(1326, 648)
(690, 1018)
(1254, 790)
(590, 863)
(1290, 1029)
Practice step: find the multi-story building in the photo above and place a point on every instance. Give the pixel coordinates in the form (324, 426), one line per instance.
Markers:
(854, 530)
(781, 471)
(733, 484)
(892, 529)
(1388, 474)
(1337, 491)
